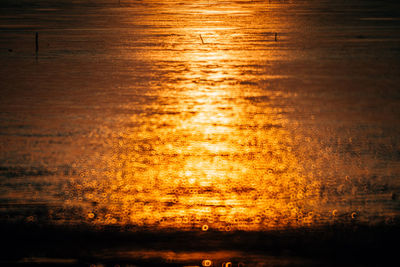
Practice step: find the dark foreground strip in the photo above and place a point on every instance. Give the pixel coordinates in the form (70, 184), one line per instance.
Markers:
(329, 245)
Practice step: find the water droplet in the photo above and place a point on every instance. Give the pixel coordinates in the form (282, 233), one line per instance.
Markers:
(334, 213)
(206, 263)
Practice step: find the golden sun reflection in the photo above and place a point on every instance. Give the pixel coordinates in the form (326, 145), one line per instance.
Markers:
(209, 155)
(209, 152)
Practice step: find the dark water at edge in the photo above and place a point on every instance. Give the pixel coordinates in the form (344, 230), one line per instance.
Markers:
(330, 245)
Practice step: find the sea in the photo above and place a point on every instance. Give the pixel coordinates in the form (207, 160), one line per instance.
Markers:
(199, 132)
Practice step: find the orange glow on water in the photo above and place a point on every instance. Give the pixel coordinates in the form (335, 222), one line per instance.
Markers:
(213, 159)
(211, 149)
(193, 116)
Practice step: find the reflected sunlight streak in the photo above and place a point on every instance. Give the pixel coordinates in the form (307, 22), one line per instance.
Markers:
(215, 158)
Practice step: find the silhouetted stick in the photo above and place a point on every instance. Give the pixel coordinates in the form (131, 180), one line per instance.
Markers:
(37, 42)
(276, 37)
(202, 41)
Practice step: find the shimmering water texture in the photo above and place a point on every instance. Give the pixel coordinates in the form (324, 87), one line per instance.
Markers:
(200, 115)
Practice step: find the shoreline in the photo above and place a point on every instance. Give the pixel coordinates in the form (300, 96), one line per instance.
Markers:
(332, 245)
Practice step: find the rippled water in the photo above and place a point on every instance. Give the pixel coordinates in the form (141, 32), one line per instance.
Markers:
(200, 115)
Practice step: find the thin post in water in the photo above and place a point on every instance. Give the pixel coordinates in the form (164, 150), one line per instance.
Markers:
(202, 41)
(276, 37)
(37, 42)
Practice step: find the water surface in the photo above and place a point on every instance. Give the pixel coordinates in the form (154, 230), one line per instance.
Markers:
(200, 116)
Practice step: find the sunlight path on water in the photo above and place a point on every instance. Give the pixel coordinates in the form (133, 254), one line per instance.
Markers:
(200, 115)
(211, 149)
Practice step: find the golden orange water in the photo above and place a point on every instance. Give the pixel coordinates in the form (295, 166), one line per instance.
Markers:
(210, 152)
(205, 115)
